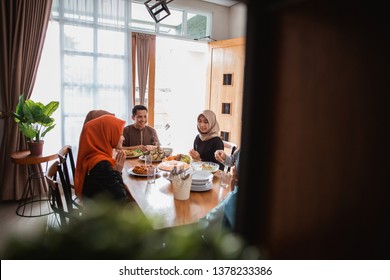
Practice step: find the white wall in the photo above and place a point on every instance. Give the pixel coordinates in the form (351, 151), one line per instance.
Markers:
(237, 22)
(227, 22)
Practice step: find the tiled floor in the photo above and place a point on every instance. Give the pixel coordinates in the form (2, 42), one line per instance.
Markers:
(13, 225)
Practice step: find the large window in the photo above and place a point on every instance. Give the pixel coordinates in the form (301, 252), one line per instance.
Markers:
(89, 63)
(180, 91)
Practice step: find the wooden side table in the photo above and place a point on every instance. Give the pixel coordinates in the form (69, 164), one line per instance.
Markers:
(34, 193)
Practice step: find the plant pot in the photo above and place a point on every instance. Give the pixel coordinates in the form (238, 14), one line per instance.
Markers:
(35, 148)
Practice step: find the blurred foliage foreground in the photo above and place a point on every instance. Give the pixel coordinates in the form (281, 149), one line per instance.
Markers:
(108, 231)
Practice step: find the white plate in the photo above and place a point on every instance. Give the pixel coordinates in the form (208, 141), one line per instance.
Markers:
(143, 158)
(200, 183)
(136, 153)
(201, 176)
(205, 166)
(170, 164)
(202, 188)
(130, 171)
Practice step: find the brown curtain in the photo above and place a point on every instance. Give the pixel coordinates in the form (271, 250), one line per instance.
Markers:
(142, 42)
(144, 57)
(23, 26)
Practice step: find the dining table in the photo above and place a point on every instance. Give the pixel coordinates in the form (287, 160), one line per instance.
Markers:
(157, 201)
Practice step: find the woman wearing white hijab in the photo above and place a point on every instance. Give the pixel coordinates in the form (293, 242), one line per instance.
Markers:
(208, 140)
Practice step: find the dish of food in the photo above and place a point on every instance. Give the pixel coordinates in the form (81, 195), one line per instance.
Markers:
(206, 166)
(157, 154)
(139, 170)
(167, 151)
(179, 157)
(132, 153)
(170, 164)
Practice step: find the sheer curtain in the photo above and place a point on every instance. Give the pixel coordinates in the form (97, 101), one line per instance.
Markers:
(94, 53)
(180, 94)
(97, 72)
(19, 60)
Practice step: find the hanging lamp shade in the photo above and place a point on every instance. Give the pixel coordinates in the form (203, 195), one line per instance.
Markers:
(158, 9)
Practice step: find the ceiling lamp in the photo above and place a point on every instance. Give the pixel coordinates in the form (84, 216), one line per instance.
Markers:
(158, 9)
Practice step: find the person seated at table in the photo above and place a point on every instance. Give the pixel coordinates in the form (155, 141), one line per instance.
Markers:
(93, 114)
(139, 135)
(223, 216)
(97, 172)
(208, 140)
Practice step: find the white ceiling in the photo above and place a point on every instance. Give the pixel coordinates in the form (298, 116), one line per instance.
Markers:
(227, 3)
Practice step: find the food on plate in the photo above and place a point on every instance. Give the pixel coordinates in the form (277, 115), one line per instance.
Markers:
(169, 165)
(179, 157)
(206, 166)
(132, 153)
(157, 154)
(140, 169)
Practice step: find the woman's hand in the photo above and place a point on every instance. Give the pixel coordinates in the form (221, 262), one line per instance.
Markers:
(220, 156)
(120, 159)
(195, 155)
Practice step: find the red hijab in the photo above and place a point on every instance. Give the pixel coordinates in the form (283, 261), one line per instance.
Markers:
(97, 140)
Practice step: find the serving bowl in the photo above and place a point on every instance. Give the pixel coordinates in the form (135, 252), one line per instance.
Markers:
(206, 166)
(167, 151)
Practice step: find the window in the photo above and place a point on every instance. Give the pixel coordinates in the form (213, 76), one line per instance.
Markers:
(180, 23)
(95, 54)
(180, 86)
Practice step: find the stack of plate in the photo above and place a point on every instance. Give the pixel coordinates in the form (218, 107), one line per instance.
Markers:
(201, 181)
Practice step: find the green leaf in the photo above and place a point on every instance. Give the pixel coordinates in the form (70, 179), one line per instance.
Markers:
(19, 107)
(34, 118)
(50, 108)
(27, 130)
(46, 130)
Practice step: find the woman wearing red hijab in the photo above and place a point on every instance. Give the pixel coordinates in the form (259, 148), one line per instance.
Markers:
(97, 172)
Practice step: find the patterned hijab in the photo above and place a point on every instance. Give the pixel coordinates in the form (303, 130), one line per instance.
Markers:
(213, 126)
(97, 140)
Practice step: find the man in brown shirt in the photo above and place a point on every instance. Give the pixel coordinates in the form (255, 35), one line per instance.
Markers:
(139, 135)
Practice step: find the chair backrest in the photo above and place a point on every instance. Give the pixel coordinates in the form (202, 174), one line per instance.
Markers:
(55, 196)
(65, 156)
(60, 195)
(229, 148)
(66, 159)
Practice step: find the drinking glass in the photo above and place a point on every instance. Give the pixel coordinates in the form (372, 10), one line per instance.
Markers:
(151, 174)
(148, 160)
(225, 178)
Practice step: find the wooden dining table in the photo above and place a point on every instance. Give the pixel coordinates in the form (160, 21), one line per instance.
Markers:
(158, 204)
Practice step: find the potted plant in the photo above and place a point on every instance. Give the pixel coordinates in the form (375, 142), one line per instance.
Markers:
(34, 121)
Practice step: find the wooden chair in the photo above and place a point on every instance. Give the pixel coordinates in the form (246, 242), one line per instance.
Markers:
(229, 148)
(66, 159)
(57, 189)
